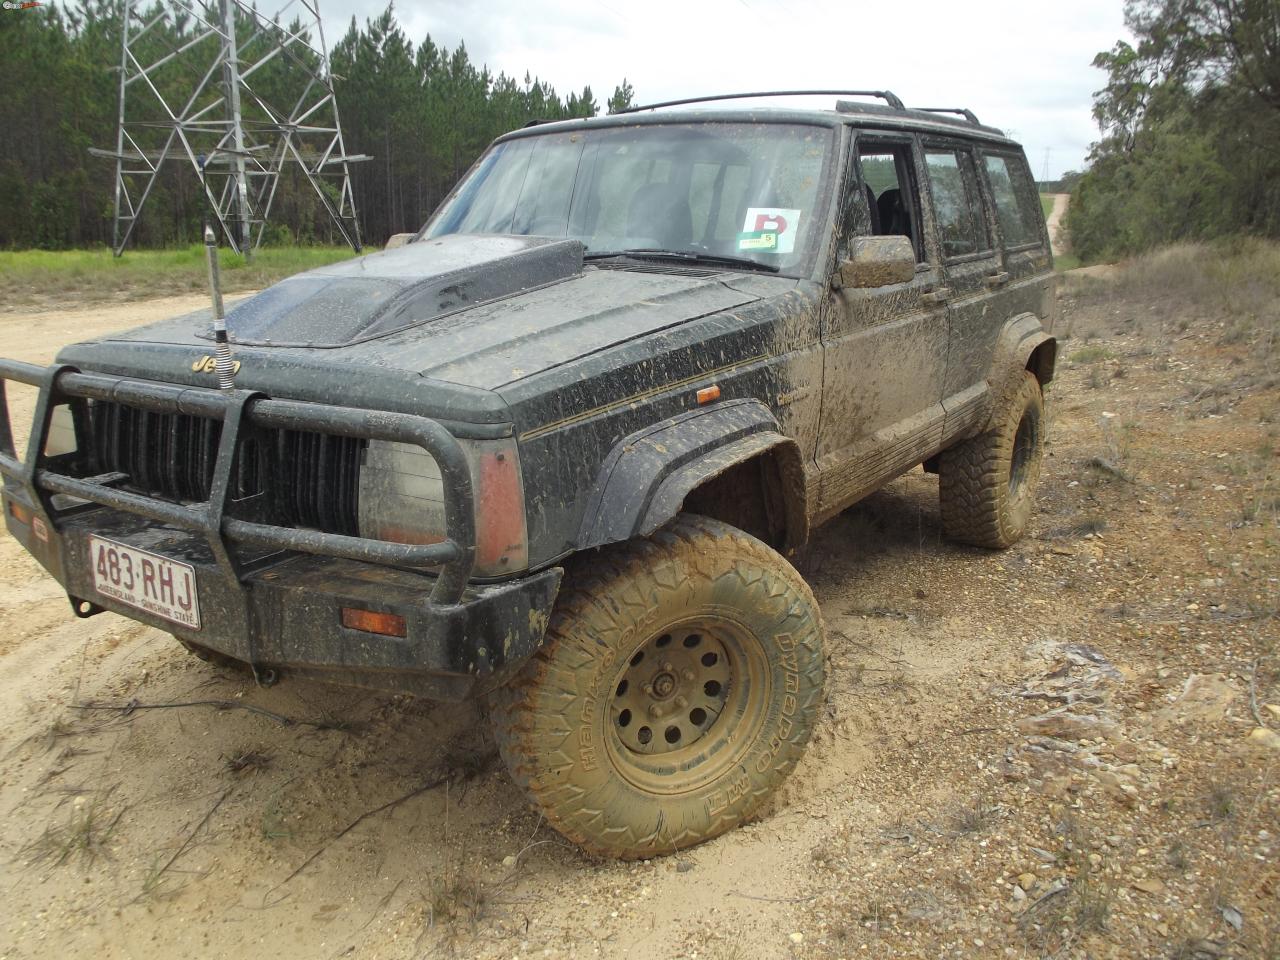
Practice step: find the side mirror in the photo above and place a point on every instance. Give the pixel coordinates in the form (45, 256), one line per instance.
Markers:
(877, 262)
(398, 240)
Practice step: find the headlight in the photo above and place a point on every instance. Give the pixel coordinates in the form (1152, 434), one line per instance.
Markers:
(402, 499)
(61, 438)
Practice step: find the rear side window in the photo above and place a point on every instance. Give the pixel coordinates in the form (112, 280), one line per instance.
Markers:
(1017, 203)
(962, 228)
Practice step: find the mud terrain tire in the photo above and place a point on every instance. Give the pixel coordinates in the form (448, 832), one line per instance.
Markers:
(679, 683)
(987, 483)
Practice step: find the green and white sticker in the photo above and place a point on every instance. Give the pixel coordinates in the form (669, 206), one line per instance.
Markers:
(780, 222)
(759, 240)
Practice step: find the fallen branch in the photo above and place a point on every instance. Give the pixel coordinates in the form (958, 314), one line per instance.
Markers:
(1103, 465)
(133, 705)
(752, 896)
(390, 804)
(192, 835)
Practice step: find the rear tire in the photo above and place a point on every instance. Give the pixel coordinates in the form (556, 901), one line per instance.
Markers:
(987, 484)
(679, 683)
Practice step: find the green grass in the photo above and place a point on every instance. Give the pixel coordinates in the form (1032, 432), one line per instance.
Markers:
(1046, 204)
(1065, 261)
(1091, 355)
(39, 276)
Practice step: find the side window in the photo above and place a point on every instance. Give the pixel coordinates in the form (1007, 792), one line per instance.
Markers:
(957, 205)
(1017, 204)
(889, 185)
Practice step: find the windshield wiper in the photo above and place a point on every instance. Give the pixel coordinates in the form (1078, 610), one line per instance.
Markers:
(691, 256)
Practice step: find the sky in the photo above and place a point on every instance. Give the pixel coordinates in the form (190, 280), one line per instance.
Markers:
(1021, 66)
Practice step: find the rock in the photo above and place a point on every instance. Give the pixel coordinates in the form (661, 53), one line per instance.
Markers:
(1273, 709)
(1205, 698)
(1233, 917)
(1009, 771)
(1264, 737)
(1027, 881)
(1055, 788)
(509, 861)
(1019, 893)
(797, 937)
(684, 866)
(1065, 725)
(1122, 750)
(1080, 675)
(1116, 785)
(1151, 885)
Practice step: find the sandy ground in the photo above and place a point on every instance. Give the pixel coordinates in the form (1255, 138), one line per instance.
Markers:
(944, 808)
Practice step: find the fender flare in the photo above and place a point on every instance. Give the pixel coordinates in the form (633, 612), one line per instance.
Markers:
(1019, 341)
(644, 480)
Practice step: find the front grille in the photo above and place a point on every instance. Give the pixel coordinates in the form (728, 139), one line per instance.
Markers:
(169, 455)
(316, 481)
(297, 478)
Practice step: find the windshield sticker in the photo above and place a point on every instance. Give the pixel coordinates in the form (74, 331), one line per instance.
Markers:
(762, 220)
(761, 241)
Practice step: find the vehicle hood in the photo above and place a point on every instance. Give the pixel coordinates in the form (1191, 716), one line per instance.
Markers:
(538, 307)
(372, 296)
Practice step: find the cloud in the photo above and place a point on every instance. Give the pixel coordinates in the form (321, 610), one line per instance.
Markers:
(1018, 65)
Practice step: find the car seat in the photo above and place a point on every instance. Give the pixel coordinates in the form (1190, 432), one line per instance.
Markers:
(893, 214)
(874, 208)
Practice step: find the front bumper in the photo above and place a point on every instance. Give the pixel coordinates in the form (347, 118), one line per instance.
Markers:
(271, 596)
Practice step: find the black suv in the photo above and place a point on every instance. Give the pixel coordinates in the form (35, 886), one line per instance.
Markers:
(552, 450)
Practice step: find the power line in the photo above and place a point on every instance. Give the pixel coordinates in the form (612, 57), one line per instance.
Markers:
(206, 124)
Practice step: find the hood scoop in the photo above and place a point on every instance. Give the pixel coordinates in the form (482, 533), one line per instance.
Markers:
(379, 294)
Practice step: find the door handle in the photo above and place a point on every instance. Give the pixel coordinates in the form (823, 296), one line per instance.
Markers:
(997, 279)
(934, 297)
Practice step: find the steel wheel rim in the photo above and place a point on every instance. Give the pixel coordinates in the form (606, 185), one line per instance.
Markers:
(704, 725)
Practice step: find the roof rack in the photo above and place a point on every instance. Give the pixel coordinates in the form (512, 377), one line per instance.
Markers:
(887, 96)
(962, 111)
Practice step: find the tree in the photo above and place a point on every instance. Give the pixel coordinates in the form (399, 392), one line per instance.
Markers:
(623, 97)
(422, 111)
(1190, 129)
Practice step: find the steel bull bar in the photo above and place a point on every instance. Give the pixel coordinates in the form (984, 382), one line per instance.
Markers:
(453, 617)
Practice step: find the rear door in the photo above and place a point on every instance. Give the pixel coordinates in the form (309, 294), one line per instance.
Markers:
(971, 265)
(1026, 284)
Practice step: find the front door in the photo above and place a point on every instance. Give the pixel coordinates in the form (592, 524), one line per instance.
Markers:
(885, 348)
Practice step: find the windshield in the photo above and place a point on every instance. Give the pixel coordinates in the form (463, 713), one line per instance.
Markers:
(737, 190)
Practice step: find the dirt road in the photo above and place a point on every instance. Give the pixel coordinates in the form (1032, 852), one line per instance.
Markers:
(1054, 222)
(934, 815)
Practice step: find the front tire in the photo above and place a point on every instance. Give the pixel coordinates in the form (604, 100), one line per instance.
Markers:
(986, 484)
(679, 683)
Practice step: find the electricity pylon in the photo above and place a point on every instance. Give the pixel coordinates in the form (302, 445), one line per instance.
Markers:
(236, 139)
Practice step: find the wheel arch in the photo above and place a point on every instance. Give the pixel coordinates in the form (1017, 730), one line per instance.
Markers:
(730, 461)
(1024, 344)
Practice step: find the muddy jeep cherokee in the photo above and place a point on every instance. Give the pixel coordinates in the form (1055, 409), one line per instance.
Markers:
(552, 450)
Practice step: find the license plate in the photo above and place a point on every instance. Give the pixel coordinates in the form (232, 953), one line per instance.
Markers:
(148, 581)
